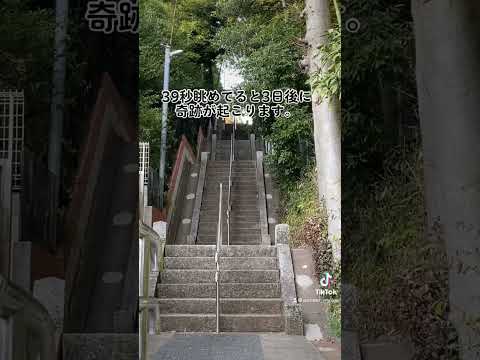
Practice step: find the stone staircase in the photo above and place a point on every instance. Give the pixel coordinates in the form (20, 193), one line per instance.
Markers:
(250, 286)
(244, 222)
(250, 294)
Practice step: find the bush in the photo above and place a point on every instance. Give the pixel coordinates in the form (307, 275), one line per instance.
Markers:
(402, 290)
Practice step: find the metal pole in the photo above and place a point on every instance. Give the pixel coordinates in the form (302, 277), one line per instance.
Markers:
(163, 141)
(58, 93)
(57, 112)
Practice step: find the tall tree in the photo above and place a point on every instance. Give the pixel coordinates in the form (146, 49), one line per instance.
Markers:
(448, 81)
(326, 120)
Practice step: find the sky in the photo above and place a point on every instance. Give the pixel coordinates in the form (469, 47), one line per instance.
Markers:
(230, 78)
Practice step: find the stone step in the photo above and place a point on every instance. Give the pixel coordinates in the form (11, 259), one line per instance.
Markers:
(236, 190)
(226, 263)
(245, 197)
(250, 171)
(237, 167)
(212, 216)
(241, 209)
(228, 323)
(239, 224)
(234, 240)
(212, 184)
(184, 276)
(227, 306)
(227, 290)
(223, 177)
(209, 250)
(246, 234)
(236, 232)
(238, 211)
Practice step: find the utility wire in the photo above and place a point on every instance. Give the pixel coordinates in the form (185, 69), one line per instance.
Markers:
(173, 21)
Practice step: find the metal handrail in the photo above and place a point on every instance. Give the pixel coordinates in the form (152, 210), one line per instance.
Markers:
(217, 255)
(232, 158)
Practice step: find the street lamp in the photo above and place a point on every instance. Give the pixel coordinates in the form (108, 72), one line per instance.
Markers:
(163, 141)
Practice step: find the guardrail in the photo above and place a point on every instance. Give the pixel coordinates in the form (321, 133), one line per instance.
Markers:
(232, 158)
(217, 255)
(29, 323)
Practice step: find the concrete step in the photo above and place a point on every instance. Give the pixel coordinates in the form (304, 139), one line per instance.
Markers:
(249, 202)
(234, 232)
(238, 223)
(230, 323)
(226, 263)
(250, 171)
(235, 162)
(248, 199)
(246, 234)
(221, 165)
(236, 242)
(223, 177)
(236, 192)
(239, 227)
(210, 240)
(212, 184)
(230, 290)
(170, 276)
(247, 188)
(227, 306)
(212, 216)
(241, 209)
(209, 250)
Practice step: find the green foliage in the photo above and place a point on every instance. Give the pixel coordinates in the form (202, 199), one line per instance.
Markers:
(192, 30)
(335, 319)
(286, 158)
(263, 45)
(27, 47)
(150, 123)
(300, 203)
(327, 82)
(402, 287)
(266, 48)
(381, 51)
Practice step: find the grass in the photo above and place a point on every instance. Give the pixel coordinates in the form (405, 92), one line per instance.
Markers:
(400, 275)
(308, 227)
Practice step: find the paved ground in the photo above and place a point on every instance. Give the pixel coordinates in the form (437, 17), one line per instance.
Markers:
(314, 308)
(172, 346)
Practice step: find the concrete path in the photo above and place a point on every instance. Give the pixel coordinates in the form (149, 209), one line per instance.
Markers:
(314, 308)
(171, 346)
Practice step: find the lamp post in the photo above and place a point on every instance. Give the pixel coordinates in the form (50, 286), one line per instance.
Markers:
(163, 140)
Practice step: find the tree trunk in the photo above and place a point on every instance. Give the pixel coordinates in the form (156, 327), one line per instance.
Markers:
(326, 125)
(448, 56)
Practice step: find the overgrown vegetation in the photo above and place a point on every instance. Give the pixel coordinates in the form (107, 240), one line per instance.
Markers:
(385, 251)
(402, 289)
(308, 228)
